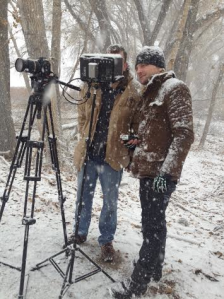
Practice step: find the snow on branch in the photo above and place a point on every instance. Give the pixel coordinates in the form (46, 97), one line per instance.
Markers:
(209, 17)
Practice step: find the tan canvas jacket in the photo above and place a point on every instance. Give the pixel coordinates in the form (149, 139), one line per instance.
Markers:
(122, 119)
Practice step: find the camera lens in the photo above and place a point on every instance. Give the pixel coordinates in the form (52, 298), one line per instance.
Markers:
(19, 65)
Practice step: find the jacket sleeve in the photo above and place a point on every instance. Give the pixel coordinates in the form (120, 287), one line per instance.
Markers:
(179, 110)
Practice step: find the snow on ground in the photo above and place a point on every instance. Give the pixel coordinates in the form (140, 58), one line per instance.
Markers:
(194, 266)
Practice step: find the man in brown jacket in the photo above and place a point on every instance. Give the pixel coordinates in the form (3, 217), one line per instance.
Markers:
(113, 116)
(165, 135)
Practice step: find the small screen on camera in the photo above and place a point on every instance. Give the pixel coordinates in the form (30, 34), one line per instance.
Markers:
(101, 68)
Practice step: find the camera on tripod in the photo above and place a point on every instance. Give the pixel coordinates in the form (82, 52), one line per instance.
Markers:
(101, 68)
(36, 67)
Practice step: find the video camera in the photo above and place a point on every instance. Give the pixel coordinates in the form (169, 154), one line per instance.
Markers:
(36, 67)
(101, 68)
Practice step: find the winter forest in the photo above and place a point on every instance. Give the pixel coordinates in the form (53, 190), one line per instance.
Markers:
(191, 34)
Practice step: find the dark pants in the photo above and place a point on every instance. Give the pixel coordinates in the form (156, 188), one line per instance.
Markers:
(152, 252)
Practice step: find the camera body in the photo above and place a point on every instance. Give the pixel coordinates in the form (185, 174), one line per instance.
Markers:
(127, 137)
(101, 68)
(40, 67)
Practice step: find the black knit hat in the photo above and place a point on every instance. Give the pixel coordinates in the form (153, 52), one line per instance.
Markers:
(151, 55)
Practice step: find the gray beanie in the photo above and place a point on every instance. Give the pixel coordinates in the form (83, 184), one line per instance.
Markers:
(151, 55)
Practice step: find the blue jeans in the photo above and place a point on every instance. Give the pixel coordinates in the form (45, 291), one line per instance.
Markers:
(110, 181)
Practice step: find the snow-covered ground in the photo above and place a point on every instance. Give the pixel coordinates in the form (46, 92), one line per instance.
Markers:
(194, 266)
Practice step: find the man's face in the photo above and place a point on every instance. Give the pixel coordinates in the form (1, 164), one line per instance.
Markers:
(125, 65)
(146, 71)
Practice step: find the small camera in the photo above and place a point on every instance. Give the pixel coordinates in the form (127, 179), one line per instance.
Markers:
(101, 68)
(36, 67)
(127, 137)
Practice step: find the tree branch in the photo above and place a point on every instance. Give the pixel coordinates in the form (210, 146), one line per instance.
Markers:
(161, 17)
(79, 21)
(143, 21)
(209, 18)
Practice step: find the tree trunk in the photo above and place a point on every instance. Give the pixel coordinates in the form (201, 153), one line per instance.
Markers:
(100, 9)
(7, 131)
(184, 52)
(162, 15)
(33, 25)
(211, 107)
(55, 61)
(143, 21)
(172, 50)
(25, 76)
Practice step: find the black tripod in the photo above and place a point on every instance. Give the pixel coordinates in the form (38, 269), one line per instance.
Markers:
(33, 152)
(71, 250)
(25, 146)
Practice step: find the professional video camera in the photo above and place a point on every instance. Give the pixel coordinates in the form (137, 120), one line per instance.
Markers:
(101, 68)
(36, 67)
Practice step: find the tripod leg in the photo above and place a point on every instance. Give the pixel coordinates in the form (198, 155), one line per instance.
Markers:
(18, 156)
(27, 222)
(55, 166)
(23, 269)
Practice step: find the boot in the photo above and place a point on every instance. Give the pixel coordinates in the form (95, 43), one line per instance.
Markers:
(107, 252)
(79, 240)
(127, 288)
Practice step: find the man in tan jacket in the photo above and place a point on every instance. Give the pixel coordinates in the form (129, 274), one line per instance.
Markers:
(113, 116)
(165, 133)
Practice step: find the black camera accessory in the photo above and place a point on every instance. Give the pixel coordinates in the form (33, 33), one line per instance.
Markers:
(101, 68)
(126, 137)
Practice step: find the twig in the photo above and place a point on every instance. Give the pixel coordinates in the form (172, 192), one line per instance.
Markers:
(4, 160)
(189, 211)
(5, 153)
(184, 239)
(211, 278)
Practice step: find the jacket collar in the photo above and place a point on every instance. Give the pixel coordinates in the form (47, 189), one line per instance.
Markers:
(156, 81)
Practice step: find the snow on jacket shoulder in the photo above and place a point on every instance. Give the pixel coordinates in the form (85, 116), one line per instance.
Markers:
(165, 127)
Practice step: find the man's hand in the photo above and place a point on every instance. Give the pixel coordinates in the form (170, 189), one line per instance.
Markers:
(160, 183)
(131, 144)
(130, 141)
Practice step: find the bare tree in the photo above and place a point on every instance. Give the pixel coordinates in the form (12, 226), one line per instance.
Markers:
(32, 17)
(161, 17)
(179, 34)
(192, 25)
(212, 106)
(15, 15)
(143, 21)
(100, 10)
(7, 132)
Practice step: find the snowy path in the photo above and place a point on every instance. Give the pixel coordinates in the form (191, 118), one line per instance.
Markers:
(194, 266)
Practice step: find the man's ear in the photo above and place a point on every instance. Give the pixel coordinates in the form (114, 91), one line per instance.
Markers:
(125, 66)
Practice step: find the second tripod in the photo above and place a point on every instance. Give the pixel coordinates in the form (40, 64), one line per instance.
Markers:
(32, 150)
